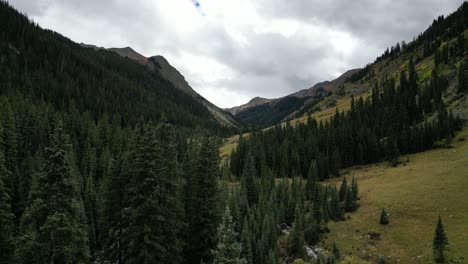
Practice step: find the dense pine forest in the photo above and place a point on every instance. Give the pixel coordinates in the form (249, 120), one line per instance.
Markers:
(104, 161)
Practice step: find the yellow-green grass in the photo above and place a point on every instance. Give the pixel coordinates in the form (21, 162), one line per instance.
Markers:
(432, 183)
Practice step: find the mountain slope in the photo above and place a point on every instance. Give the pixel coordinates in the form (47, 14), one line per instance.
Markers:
(160, 65)
(47, 67)
(264, 112)
(432, 183)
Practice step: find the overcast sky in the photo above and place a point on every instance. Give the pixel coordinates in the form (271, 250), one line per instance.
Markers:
(233, 50)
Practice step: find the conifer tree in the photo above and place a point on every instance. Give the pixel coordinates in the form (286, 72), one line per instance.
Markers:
(463, 77)
(228, 249)
(52, 228)
(312, 179)
(384, 217)
(6, 216)
(153, 234)
(343, 189)
(248, 176)
(381, 260)
(296, 237)
(440, 242)
(246, 241)
(113, 202)
(204, 203)
(336, 251)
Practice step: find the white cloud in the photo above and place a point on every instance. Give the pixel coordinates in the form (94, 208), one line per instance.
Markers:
(230, 51)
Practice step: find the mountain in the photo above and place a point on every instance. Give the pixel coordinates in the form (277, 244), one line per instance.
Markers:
(264, 112)
(45, 67)
(160, 65)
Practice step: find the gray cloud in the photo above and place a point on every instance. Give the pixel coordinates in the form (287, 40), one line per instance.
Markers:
(266, 48)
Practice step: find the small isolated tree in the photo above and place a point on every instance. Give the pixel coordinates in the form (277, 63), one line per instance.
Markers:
(296, 238)
(228, 250)
(381, 260)
(440, 242)
(335, 251)
(384, 218)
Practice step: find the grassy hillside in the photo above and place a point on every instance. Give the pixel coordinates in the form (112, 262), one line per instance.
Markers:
(432, 183)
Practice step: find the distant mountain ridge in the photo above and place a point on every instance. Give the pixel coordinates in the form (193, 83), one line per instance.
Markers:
(160, 64)
(265, 112)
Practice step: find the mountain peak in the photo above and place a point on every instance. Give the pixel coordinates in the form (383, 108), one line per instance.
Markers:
(131, 54)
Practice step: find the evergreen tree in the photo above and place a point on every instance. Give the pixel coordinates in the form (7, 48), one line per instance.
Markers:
(248, 177)
(312, 179)
(204, 203)
(343, 189)
(228, 249)
(381, 260)
(296, 237)
(463, 77)
(335, 251)
(52, 228)
(246, 241)
(440, 242)
(114, 219)
(384, 218)
(153, 234)
(6, 216)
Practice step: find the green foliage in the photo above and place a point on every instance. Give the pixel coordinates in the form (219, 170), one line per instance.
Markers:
(296, 238)
(463, 76)
(53, 227)
(384, 218)
(6, 216)
(335, 251)
(228, 250)
(440, 242)
(154, 199)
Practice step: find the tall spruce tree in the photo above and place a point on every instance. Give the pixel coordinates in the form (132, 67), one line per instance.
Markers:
(336, 251)
(7, 226)
(463, 76)
(53, 226)
(153, 234)
(204, 203)
(114, 218)
(440, 242)
(296, 238)
(228, 250)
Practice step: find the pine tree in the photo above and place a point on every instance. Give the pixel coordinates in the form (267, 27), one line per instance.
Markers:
(228, 249)
(343, 189)
(246, 241)
(296, 237)
(153, 234)
(114, 219)
(354, 189)
(52, 228)
(440, 242)
(248, 177)
(463, 77)
(312, 179)
(336, 251)
(204, 203)
(6, 216)
(384, 218)
(381, 260)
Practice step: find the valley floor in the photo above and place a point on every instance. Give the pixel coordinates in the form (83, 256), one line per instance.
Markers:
(414, 194)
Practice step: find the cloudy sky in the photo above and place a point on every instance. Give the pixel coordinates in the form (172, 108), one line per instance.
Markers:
(233, 50)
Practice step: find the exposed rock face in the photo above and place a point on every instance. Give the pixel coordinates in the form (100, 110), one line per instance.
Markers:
(256, 101)
(161, 66)
(131, 54)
